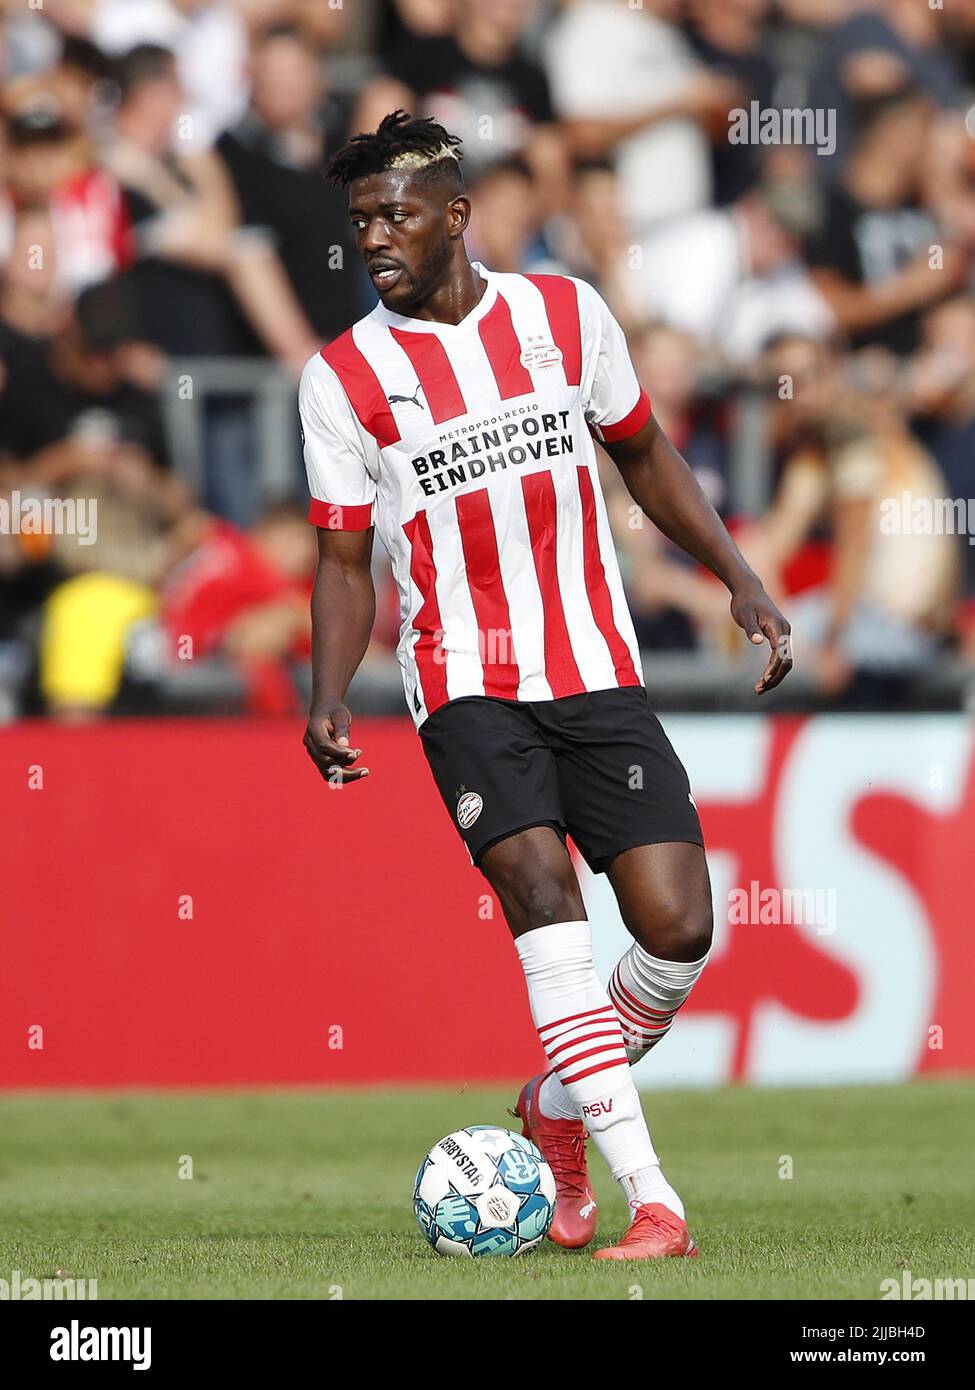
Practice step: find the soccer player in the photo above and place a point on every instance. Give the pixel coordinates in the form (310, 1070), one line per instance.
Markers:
(457, 420)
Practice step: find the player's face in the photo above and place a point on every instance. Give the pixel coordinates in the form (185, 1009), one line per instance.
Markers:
(404, 235)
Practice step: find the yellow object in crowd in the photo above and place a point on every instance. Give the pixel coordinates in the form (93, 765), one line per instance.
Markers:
(83, 638)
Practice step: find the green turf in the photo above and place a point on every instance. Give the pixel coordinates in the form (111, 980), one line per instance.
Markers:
(307, 1195)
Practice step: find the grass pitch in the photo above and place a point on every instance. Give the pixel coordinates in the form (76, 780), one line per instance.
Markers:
(307, 1195)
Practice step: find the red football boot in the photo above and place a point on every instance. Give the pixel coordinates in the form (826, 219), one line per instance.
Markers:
(563, 1143)
(656, 1231)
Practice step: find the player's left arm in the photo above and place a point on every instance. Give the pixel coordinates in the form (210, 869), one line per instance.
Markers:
(666, 490)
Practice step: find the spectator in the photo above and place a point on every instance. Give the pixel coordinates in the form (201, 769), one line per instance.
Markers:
(729, 37)
(731, 276)
(108, 592)
(247, 599)
(209, 40)
(183, 212)
(89, 617)
(77, 404)
(50, 171)
(33, 304)
(80, 82)
(627, 85)
(188, 233)
(592, 240)
(940, 388)
(27, 577)
(204, 286)
(276, 157)
(673, 365)
(878, 51)
(479, 83)
(402, 20)
(872, 258)
(505, 228)
(324, 26)
(865, 633)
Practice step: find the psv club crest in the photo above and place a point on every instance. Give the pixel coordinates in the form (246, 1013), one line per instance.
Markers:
(468, 808)
(540, 353)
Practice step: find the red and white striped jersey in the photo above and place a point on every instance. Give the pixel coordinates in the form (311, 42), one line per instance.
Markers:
(469, 447)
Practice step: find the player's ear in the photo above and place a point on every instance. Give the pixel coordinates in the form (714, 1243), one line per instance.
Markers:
(458, 215)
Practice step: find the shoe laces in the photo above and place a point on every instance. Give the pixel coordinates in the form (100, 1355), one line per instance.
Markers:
(644, 1217)
(566, 1156)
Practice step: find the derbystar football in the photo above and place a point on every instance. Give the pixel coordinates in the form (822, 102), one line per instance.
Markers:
(484, 1191)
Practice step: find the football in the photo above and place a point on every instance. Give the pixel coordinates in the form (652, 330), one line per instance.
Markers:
(484, 1191)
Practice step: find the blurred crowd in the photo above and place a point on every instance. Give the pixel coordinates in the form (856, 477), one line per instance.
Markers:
(776, 198)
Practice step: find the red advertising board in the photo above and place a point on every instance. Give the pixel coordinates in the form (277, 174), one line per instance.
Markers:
(187, 903)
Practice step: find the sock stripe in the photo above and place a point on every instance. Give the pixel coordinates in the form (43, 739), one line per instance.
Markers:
(643, 1041)
(638, 1005)
(642, 1031)
(553, 1052)
(590, 1014)
(605, 1049)
(591, 1071)
(572, 1018)
(634, 1025)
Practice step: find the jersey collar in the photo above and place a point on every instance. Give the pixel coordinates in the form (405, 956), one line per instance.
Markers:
(446, 330)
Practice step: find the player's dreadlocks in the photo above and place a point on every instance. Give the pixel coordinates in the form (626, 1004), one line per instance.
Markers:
(402, 141)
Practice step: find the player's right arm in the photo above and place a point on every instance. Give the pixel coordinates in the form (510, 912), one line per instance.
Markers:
(343, 607)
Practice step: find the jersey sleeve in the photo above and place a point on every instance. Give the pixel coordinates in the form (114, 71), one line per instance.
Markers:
(343, 492)
(615, 403)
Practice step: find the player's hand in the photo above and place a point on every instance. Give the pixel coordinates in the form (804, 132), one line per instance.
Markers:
(761, 621)
(327, 741)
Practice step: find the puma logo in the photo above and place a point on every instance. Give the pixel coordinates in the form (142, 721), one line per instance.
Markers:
(590, 1206)
(412, 399)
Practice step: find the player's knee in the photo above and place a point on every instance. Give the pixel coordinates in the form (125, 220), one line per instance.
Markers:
(678, 926)
(549, 898)
(536, 893)
(542, 897)
(534, 879)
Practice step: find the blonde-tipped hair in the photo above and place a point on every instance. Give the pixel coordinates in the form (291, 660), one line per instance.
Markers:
(401, 141)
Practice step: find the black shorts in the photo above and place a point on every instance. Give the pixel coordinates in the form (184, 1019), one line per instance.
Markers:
(597, 766)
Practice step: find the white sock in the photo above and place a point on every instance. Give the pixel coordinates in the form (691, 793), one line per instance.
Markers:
(650, 1185)
(646, 993)
(644, 1185)
(555, 1101)
(581, 1035)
